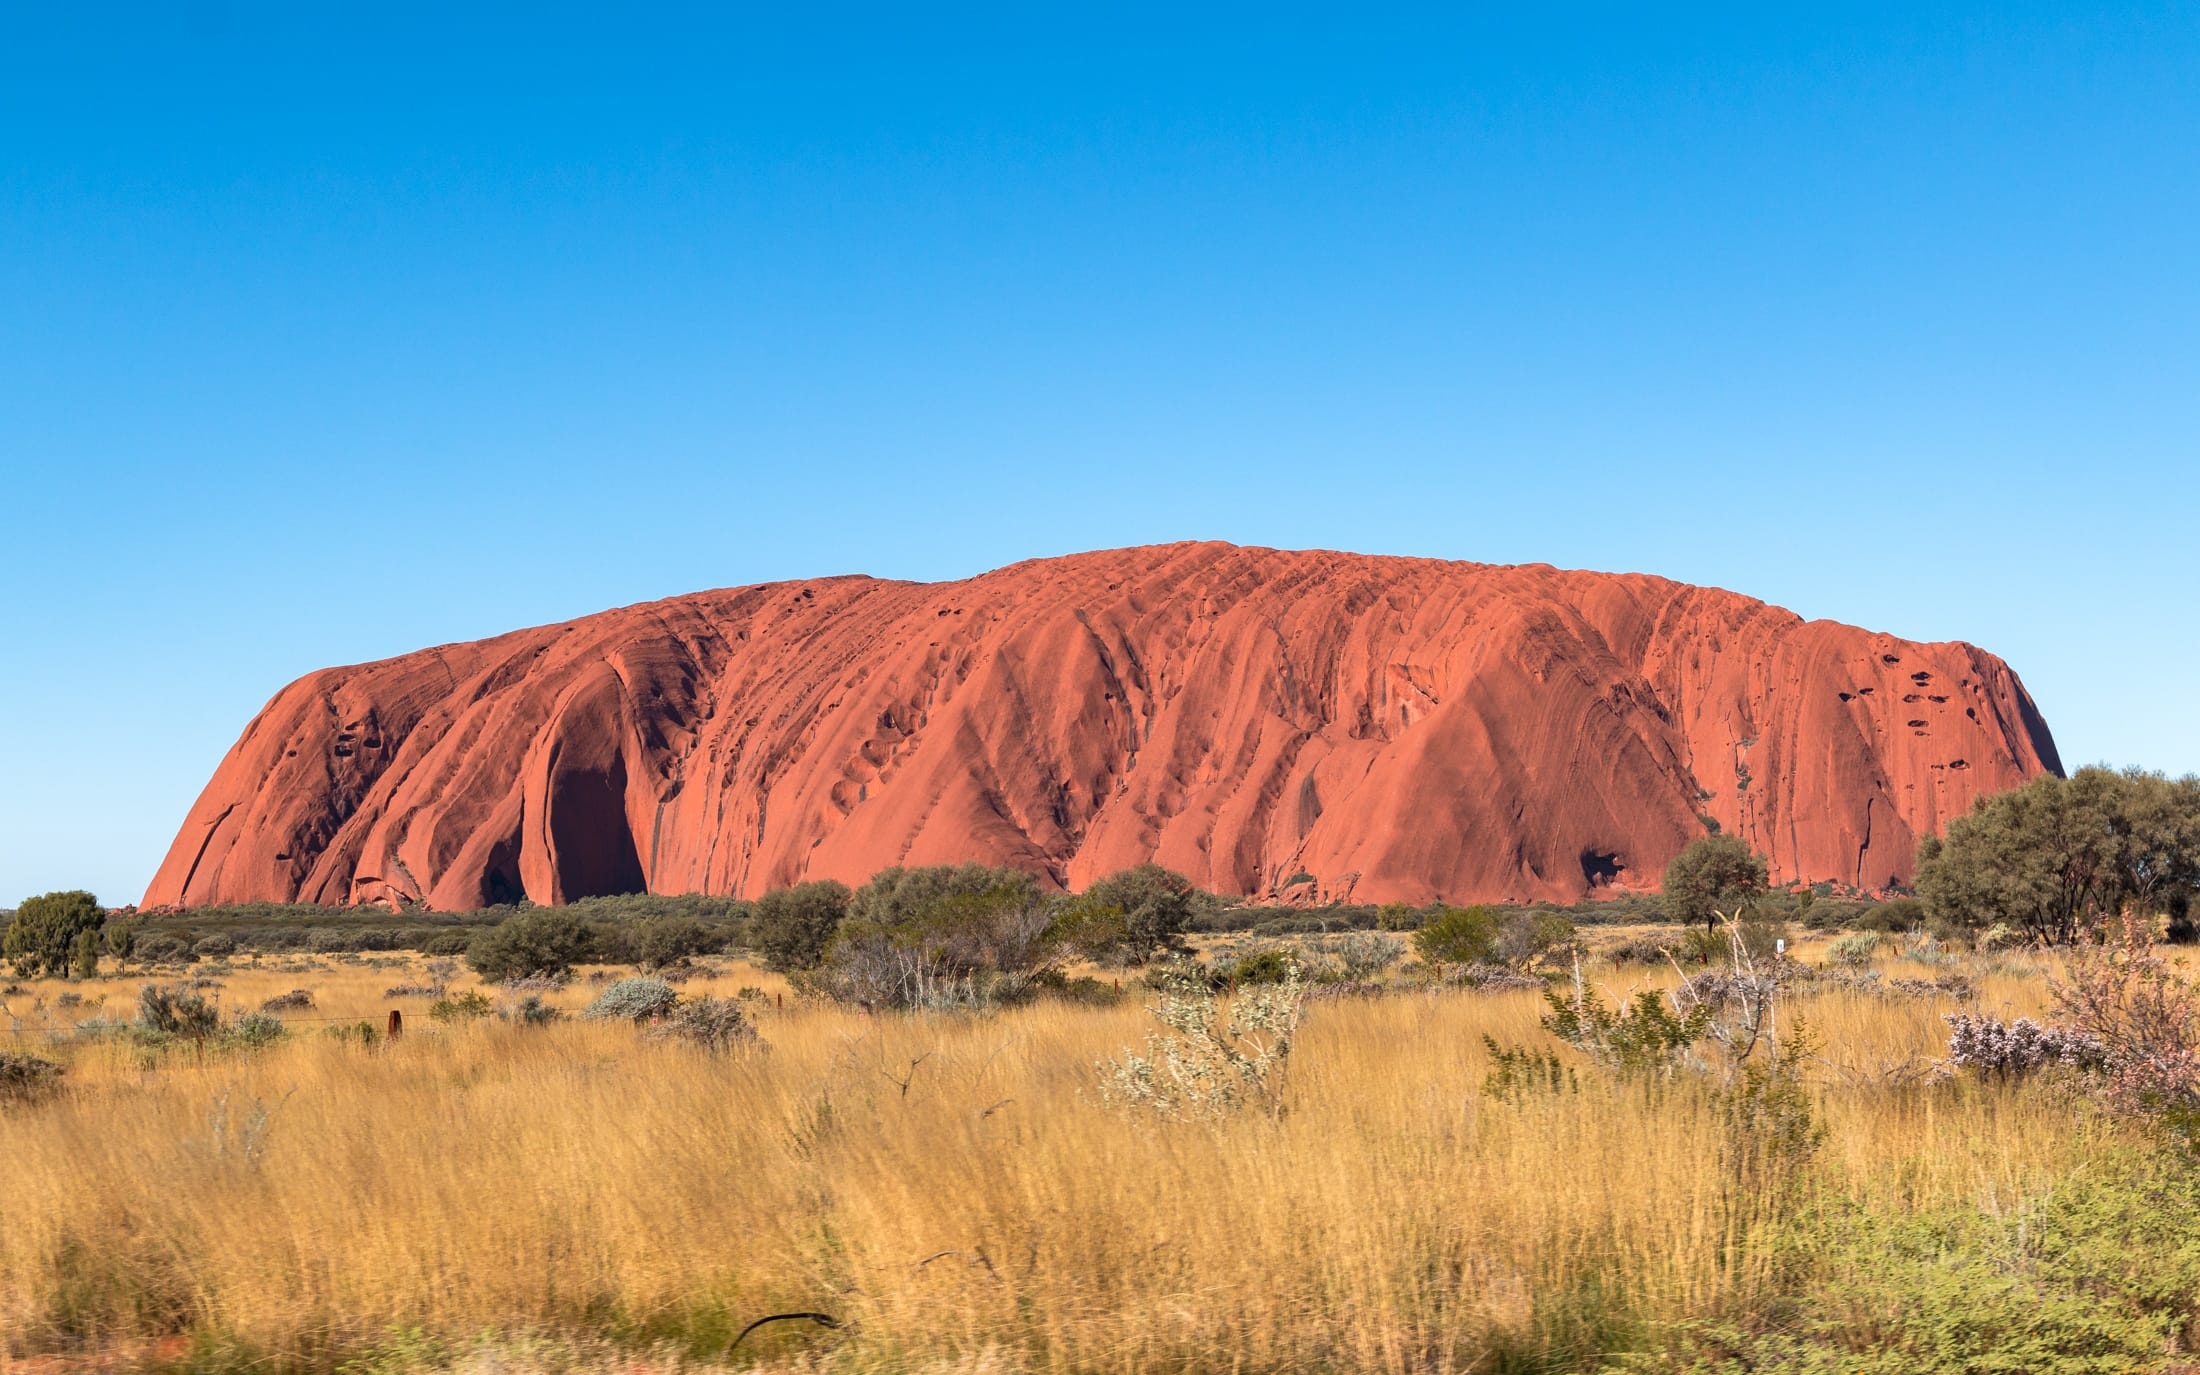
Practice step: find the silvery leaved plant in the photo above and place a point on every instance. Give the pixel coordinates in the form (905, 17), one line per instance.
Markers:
(1214, 1057)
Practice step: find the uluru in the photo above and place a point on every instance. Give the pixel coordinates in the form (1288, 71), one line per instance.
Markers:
(1294, 725)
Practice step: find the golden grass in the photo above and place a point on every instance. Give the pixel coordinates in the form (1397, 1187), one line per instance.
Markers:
(951, 1186)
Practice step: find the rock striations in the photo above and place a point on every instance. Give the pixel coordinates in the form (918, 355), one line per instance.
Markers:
(1294, 725)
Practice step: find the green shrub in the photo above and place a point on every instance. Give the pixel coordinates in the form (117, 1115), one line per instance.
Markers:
(214, 947)
(1523, 937)
(43, 937)
(465, 1007)
(1642, 1035)
(792, 926)
(1274, 965)
(84, 957)
(1131, 916)
(538, 942)
(661, 942)
(447, 943)
(1716, 873)
(1458, 935)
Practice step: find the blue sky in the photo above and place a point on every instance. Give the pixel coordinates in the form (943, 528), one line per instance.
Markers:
(327, 336)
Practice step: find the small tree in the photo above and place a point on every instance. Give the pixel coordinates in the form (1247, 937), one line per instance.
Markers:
(1131, 916)
(43, 937)
(661, 942)
(84, 958)
(793, 926)
(2058, 857)
(1714, 874)
(538, 942)
(1458, 935)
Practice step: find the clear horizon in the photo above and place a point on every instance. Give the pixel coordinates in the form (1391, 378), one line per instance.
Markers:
(331, 338)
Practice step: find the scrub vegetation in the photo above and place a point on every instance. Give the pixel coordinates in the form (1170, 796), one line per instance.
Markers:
(947, 1122)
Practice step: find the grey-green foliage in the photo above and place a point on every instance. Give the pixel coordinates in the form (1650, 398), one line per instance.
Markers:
(2058, 856)
(172, 1010)
(714, 1024)
(965, 936)
(42, 939)
(1856, 950)
(792, 926)
(900, 896)
(1714, 874)
(1210, 1058)
(632, 1000)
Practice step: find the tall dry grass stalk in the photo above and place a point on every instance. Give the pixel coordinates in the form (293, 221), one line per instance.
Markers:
(947, 1186)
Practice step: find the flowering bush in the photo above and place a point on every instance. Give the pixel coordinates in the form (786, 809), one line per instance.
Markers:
(2011, 1050)
(2146, 1019)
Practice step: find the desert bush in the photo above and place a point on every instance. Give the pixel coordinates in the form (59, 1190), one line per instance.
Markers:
(792, 926)
(1928, 950)
(2060, 857)
(447, 943)
(1525, 936)
(537, 941)
(713, 1024)
(528, 1009)
(2012, 1050)
(214, 947)
(933, 942)
(632, 1000)
(1518, 1074)
(1458, 935)
(27, 1078)
(1130, 917)
(1363, 955)
(1490, 978)
(662, 942)
(1855, 950)
(1642, 1035)
(1273, 965)
(466, 1007)
(43, 937)
(296, 1000)
(253, 1031)
(84, 956)
(2146, 1019)
(171, 1010)
(365, 1035)
(1209, 1060)
(1714, 874)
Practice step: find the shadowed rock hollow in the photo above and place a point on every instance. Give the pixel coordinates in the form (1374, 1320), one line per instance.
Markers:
(1306, 725)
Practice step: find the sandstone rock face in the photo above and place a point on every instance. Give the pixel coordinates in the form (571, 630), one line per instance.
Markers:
(1296, 725)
